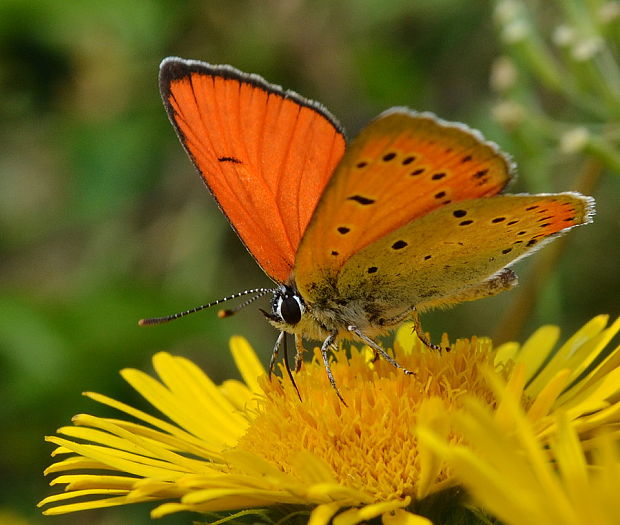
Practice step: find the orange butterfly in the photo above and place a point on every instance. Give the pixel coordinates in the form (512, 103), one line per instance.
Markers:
(359, 237)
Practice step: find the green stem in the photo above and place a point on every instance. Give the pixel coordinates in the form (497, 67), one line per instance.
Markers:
(603, 150)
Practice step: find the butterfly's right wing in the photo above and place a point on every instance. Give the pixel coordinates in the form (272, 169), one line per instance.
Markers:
(446, 255)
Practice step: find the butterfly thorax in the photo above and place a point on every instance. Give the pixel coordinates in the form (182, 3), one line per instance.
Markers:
(293, 313)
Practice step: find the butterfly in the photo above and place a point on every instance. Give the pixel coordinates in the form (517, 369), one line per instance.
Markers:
(357, 237)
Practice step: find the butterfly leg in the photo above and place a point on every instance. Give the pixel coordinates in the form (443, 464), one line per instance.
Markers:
(275, 352)
(377, 349)
(501, 281)
(274, 355)
(329, 341)
(299, 356)
(417, 327)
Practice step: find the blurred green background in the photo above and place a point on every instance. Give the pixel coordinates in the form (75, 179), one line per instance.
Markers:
(104, 221)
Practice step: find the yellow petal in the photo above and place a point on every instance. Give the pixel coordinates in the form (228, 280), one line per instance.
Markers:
(402, 517)
(267, 496)
(569, 354)
(406, 338)
(237, 393)
(586, 375)
(94, 481)
(312, 470)
(322, 514)
(537, 348)
(354, 516)
(571, 462)
(121, 460)
(168, 428)
(248, 364)
(431, 416)
(137, 444)
(506, 352)
(111, 501)
(324, 492)
(74, 463)
(512, 392)
(548, 395)
(190, 396)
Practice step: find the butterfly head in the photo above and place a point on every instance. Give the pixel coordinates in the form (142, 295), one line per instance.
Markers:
(287, 308)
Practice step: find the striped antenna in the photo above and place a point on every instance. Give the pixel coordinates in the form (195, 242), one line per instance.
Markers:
(228, 313)
(222, 313)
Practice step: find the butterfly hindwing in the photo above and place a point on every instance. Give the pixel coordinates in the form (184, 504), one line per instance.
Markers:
(401, 167)
(265, 154)
(459, 246)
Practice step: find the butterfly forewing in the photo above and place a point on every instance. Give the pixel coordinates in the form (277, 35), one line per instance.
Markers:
(457, 246)
(265, 154)
(401, 167)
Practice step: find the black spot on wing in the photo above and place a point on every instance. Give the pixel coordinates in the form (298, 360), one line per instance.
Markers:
(361, 199)
(233, 160)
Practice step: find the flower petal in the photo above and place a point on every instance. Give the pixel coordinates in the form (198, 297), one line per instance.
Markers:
(168, 428)
(99, 503)
(402, 517)
(248, 364)
(322, 514)
(431, 416)
(354, 516)
(537, 348)
(312, 470)
(569, 354)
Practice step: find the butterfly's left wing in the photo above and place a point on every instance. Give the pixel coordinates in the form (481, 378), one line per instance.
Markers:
(435, 259)
(264, 153)
(402, 166)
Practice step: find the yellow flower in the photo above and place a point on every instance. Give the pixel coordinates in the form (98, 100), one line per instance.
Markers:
(255, 444)
(527, 462)
(580, 379)
(522, 479)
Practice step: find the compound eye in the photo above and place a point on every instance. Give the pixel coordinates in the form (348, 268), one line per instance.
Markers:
(290, 309)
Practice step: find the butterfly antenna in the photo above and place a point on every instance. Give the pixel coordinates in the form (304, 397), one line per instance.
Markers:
(260, 292)
(222, 313)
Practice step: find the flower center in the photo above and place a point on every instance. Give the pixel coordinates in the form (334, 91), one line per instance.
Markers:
(370, 444)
